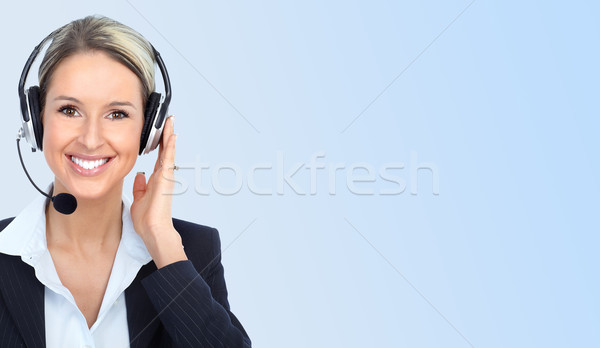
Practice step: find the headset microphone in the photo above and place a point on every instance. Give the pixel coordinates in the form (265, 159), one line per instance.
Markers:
(64, 203)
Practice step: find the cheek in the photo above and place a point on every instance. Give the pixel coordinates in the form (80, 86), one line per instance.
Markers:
(53, 137)
(127, 139)
(53, 142)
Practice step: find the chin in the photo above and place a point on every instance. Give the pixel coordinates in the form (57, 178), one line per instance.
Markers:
(91, 193)
(91, 190)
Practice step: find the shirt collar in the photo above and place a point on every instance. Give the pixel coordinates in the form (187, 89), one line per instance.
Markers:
(25, 236)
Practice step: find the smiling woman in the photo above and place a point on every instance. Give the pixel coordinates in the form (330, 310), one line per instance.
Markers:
(112, 273)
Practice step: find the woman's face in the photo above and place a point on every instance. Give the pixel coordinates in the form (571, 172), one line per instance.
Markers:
(93, 120)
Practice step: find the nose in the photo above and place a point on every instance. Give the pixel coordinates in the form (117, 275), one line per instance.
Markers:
(91, 135)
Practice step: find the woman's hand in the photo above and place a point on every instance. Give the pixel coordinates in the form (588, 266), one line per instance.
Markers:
(151, 208)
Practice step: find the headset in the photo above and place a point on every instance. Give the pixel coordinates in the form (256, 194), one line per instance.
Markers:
(154, 112)
(33, 131)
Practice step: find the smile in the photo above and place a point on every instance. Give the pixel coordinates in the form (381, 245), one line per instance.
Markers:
(89, 167)
(89, 164)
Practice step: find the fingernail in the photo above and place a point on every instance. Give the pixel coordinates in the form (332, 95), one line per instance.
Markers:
(143, 173)
(172, 118)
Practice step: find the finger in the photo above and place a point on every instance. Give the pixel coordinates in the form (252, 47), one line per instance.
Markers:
(165, 177)
(158, 158)
(169, 157)
(167, 131)
(139, 186)
(168, 154)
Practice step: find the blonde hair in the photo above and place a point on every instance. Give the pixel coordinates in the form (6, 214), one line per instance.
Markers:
(99, 33)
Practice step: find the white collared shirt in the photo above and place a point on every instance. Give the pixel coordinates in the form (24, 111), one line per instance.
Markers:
(66, 326)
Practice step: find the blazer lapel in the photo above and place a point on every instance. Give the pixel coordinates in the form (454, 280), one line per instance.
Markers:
(24, 298)
(142, 318)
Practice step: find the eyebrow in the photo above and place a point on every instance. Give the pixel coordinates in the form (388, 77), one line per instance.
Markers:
(125, 103)
(75, 100)
(62, 97)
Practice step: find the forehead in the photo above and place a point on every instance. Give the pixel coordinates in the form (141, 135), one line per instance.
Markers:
(94, 77)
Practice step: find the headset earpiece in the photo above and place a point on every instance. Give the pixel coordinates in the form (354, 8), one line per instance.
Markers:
(35, 111)
(150, 113)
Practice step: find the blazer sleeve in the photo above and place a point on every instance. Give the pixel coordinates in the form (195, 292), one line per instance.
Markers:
(194, 309)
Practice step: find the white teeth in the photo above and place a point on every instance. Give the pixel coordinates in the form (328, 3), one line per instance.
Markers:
(88, 164)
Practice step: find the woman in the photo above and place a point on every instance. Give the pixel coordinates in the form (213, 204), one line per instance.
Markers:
(112, 273)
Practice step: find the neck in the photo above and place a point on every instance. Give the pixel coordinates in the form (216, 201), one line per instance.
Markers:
(94, 226)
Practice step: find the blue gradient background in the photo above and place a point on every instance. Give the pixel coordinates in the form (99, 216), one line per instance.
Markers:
(501, 100)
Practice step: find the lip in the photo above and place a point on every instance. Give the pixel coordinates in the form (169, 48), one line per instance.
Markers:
(88, 172)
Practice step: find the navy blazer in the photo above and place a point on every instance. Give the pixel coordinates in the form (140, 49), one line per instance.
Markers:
(183, 304)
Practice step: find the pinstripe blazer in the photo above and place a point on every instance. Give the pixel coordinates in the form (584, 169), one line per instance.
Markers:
(183, 304)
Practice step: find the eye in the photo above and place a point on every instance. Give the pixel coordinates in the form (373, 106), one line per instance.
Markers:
(118, 115)
(69, 111)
